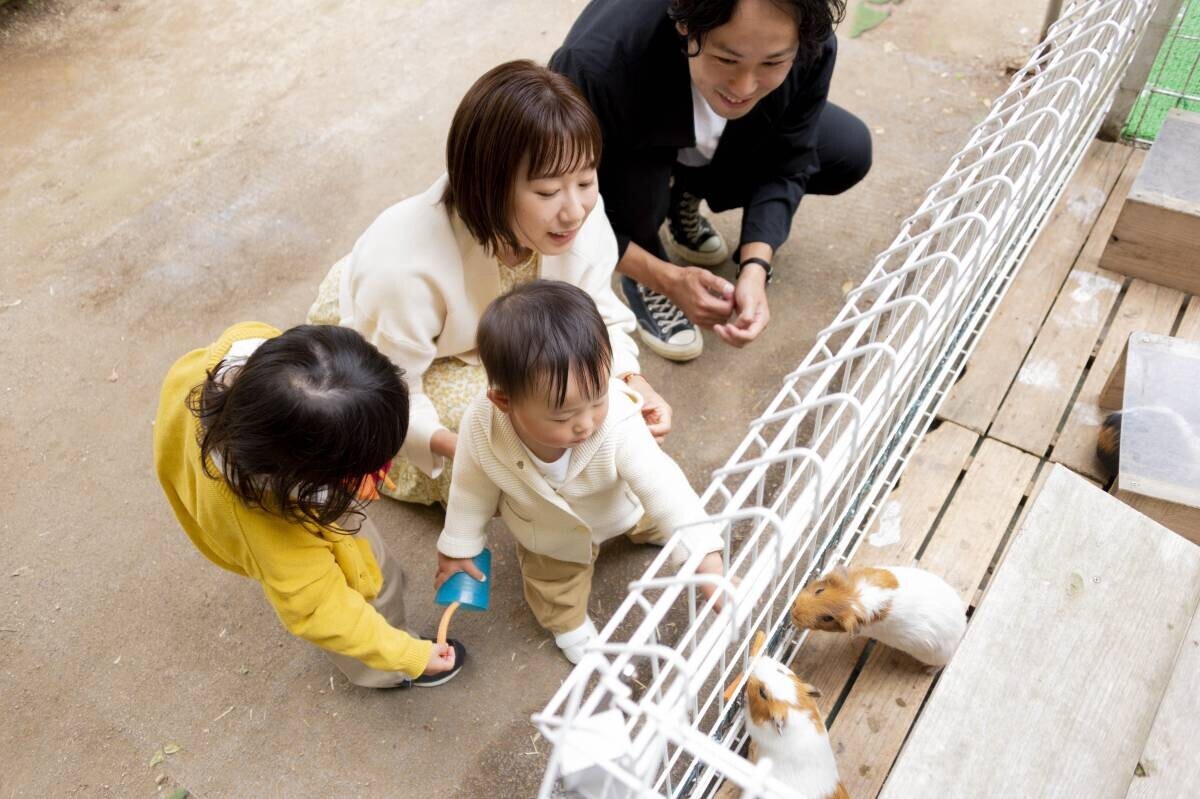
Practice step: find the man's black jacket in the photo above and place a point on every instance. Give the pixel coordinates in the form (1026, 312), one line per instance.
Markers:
(629, 61)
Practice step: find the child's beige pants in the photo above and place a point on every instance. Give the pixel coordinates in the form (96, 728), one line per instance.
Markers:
(557, 590)
(389, 603)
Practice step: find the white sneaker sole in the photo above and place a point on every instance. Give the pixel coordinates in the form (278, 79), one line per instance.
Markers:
(682, 253)
(672, 352)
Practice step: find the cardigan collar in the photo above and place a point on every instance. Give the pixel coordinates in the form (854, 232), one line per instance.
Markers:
(507, 446)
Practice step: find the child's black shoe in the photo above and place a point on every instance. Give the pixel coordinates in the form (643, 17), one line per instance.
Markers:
(432, 680)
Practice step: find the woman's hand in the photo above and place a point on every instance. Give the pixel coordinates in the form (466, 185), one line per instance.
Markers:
(441, 659)
(443, 442)
(655, 409)
(448, 567)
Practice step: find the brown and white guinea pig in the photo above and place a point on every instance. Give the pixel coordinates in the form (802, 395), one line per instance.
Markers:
(785, 722)
(906, 608)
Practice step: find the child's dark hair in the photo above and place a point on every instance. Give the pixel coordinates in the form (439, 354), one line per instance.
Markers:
(532, 339)
(310, 413)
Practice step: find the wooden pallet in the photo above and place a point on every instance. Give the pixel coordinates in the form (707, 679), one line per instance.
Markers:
(1047, 696)
(1027, 400)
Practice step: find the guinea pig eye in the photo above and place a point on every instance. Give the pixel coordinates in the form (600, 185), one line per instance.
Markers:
(819, 591)
(762, 692)
(827, 619)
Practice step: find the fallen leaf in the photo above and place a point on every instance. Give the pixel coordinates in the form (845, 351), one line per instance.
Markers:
(847, 287)
(4, 306)
(890, 47)
(112, 376)
(158, 758)
(180, 794)
(21, 570)
(171, 749)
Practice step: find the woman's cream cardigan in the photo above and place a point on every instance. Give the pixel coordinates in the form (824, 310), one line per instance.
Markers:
(417, 282)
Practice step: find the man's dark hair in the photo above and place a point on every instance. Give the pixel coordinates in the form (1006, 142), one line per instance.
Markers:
(514, 111)
(537, 336)
(814, 21)
(310, 413)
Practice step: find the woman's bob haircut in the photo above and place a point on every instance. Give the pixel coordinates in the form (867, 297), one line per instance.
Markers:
(516, 111)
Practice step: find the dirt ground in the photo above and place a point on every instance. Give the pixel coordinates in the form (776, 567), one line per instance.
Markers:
(170, 168)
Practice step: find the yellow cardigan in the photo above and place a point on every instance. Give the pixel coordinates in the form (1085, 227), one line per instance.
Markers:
(318, 584)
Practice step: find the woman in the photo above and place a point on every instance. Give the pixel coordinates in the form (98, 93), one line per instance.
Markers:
(519, 201)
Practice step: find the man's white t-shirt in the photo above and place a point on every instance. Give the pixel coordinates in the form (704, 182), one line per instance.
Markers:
(708, 127)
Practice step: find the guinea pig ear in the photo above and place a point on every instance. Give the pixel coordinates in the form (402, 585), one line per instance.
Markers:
(838, 575)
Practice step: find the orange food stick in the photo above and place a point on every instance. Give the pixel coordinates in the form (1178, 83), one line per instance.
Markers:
(444, 625)
(760, 638)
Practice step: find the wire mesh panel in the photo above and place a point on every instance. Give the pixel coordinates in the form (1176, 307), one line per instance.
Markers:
(645, 712)
(1174, 79)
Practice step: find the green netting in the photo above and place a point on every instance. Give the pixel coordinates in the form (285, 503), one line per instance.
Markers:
(1175, 70)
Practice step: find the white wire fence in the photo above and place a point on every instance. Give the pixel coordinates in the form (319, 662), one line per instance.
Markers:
(644, 714)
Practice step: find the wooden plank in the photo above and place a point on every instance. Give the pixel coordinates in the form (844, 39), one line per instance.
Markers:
(1048, 694)
(1158, 244)
(874, 720)
(1112, 396)
(1169, 766)
(1175, 517)
(1145, 307)
(827, 659)
(1158, 232)
(1039, 396)
(1160, 428)
(973, 401)
(1189, 326)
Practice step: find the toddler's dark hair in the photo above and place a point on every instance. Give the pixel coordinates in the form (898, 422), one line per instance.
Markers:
(534, 337)
(310, 413)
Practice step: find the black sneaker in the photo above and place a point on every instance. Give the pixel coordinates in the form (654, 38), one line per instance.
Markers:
(432, 680)
(690, 237)
(661, 324)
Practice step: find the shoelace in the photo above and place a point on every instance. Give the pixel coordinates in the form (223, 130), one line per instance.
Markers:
(687, 211)
(666, 313)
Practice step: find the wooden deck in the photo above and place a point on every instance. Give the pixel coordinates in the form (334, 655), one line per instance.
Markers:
(1027, 399)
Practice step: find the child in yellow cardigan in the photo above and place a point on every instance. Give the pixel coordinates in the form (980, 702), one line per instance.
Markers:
(266, 445)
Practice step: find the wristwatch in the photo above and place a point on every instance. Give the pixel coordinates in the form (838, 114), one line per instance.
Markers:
(760, 261)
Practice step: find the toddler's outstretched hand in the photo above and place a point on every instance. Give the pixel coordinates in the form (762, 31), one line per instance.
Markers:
(440, 659)
(447, 567)
(712, 564)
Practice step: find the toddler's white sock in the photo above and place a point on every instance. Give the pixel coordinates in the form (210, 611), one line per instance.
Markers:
(572, 642)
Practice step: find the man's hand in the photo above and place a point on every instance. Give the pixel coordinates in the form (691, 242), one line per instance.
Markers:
(441, 659)
(448, 567)
(706, 299)
(655, 409)
(751, 312)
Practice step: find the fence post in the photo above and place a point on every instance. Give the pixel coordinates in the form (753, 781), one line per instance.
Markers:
(1135, 77)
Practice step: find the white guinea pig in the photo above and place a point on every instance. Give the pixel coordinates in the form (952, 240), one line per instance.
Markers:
(785, 722)
(908, 609)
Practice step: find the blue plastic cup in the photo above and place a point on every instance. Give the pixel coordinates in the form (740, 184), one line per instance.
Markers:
(465, 589)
